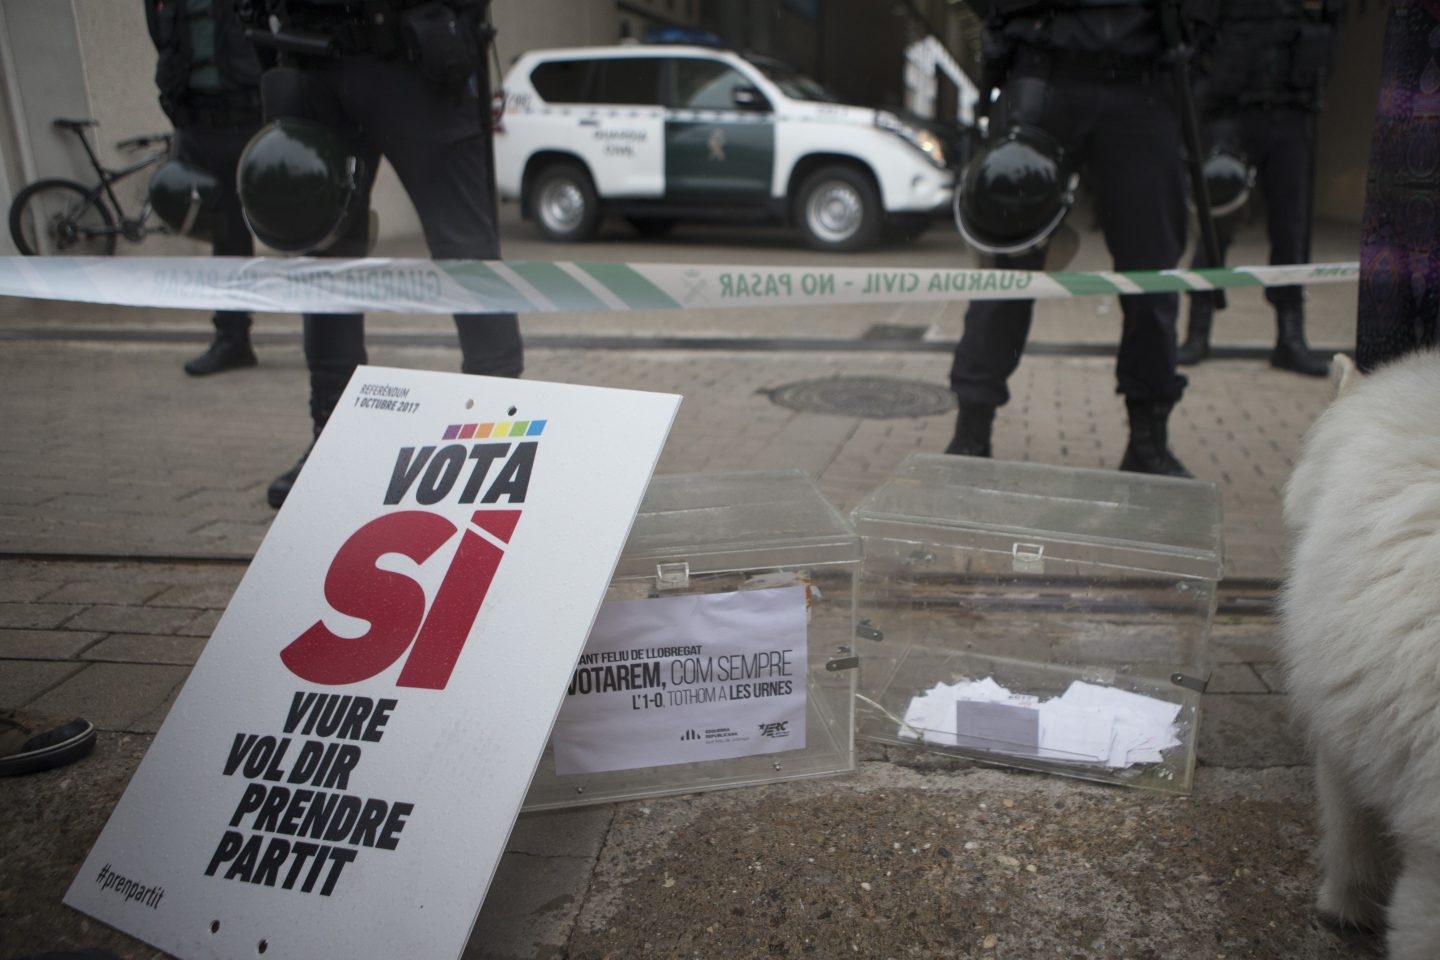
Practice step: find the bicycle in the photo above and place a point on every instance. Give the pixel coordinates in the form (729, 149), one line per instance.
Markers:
(58, 216)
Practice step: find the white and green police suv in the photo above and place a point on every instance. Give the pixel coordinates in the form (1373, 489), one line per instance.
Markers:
(658, 134)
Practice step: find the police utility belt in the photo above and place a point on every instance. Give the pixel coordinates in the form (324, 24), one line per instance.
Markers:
(442, 36)
(1081, 65)
(240, 109)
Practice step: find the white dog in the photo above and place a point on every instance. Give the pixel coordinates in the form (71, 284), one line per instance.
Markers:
(1361, 629)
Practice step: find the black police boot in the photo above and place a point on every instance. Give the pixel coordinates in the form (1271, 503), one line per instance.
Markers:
(1149, 450)
(224, 353)
(280, 487)
(1197, 341)
(1291, 351)
(325, 389)
(972, 430)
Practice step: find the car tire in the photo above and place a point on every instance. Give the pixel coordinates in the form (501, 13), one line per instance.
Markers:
(563, 202)
(651, 226)
(838, 208)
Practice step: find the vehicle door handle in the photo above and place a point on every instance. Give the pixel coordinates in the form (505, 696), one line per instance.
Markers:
(589, 123)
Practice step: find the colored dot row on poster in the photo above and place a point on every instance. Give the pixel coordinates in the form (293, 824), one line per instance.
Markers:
(483, 431)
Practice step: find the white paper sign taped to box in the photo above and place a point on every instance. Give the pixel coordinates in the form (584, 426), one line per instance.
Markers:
(684, 679)
(340, 774)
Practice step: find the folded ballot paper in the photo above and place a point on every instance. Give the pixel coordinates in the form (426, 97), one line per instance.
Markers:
(1088, 723)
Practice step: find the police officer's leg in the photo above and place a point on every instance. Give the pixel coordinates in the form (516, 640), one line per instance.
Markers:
(996, 330)
(441, 154)
(334, 342)
(216, 150)
(1196, 346)
(986, 356)
(457, 212)
(1284, 177)
(1227, 132)
(1139, 179)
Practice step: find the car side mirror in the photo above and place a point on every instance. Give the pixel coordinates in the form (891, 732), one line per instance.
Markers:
(748, 98)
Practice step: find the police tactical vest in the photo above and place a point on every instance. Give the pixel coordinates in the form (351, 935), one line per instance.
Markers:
(1269, 52)
(206, 71)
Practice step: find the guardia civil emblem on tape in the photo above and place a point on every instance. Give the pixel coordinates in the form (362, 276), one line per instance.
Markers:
(316, 285)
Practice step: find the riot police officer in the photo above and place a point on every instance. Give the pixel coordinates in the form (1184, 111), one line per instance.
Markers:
(1265, 74)
(208, 77)
(351, 82)
(1081, 83)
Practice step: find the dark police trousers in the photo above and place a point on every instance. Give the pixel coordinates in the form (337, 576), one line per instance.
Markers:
(1126, 133)
(438, 148)
(1277, 142)
(216, 150)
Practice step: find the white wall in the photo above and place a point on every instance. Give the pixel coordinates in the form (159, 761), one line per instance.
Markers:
(43, 79)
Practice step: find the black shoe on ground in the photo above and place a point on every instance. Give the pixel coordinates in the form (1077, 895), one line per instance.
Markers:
(31, 743)
(221, 355)
(280, 486)
(1299, 361)
(1153, 460)
(973, 424)
(1149, 448)
(1291, 351)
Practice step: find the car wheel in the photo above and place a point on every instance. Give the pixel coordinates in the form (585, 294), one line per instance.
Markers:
(651, 226)
(838, 209)
(563, 203)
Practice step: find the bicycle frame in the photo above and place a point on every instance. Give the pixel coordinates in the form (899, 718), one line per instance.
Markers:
(131, 229)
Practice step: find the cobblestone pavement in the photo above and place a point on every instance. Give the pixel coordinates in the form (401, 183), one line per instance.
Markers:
(132, 500)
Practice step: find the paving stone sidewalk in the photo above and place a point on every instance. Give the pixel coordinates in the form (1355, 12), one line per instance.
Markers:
(109, 450)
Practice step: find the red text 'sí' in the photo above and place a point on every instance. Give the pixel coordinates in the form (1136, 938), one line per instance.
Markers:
(394, 604)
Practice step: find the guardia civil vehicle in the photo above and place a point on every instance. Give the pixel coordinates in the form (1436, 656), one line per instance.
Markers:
(663, 133)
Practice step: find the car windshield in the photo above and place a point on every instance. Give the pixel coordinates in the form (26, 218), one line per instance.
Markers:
(793, 83)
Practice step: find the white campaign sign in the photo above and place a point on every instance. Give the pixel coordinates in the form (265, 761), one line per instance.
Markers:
(684, 679)
(340, 774)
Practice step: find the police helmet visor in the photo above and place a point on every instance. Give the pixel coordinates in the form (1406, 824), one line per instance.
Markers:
(1014, 195)
(1228, 179)
(296, 180)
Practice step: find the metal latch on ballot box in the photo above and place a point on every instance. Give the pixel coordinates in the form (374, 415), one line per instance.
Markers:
(672, 576)
(1028, 557)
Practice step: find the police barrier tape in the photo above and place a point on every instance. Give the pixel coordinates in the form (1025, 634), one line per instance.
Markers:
(317, 285)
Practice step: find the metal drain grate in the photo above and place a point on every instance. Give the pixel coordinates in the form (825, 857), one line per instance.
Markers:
(875, 397)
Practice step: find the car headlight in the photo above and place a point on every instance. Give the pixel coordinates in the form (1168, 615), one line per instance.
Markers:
(921, 139)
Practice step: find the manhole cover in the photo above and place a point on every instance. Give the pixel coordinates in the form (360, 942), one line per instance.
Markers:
(877, 397)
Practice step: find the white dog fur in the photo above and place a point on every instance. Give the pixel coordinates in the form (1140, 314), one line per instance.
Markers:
(1361, 631)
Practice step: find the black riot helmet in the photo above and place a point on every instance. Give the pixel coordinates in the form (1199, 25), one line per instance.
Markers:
(1227, 171)
(1015, 192)
(1228, 179)
(185, 198)
(296, 180)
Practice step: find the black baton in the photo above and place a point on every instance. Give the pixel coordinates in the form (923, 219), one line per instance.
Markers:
(1178, 54)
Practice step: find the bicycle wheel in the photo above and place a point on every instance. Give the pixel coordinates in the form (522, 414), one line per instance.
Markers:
(60, 217)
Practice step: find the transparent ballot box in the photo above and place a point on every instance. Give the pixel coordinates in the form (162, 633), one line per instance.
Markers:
(1041, 617)
(723, 653)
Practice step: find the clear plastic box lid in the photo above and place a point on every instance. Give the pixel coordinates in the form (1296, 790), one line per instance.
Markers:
(1148, 522)
(731, 521)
